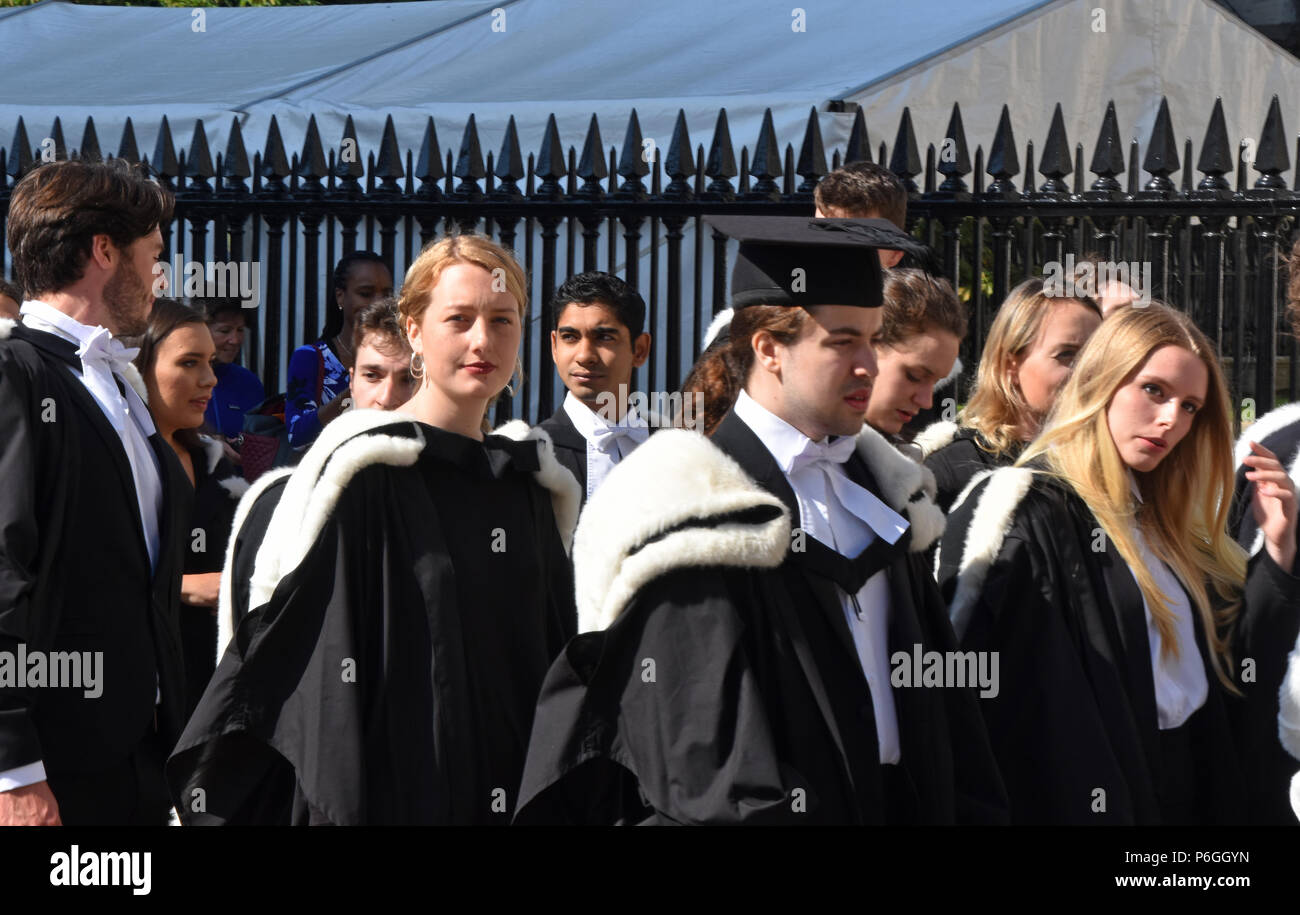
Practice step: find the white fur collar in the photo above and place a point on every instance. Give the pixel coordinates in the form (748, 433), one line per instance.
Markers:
(906, 486)
(984, 536)
(7, 326)
(566, 493)
(674, 479)
(212, 452)
(225, 600)
(338, 454)
(721, 321)
(935, 437)
(1266, 425)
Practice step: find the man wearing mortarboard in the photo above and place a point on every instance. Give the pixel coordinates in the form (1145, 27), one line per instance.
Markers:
(748, 602)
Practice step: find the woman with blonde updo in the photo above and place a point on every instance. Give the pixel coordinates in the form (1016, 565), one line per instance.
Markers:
(406, 589)
(1027, 357)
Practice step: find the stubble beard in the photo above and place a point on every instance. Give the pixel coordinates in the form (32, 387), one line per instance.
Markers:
(127, 300)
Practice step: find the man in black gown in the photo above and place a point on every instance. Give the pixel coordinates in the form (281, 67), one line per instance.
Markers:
(733, 669)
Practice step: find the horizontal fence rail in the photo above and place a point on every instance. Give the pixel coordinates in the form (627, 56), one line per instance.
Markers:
(1213, 247)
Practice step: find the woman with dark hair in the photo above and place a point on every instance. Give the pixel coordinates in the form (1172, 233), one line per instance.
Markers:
(396, 600)
(176, 361)
(238, 390)
(319, 372)
(1140, 651)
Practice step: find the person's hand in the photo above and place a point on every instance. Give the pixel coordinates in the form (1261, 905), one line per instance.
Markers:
(30, 805)
(230, 453)
(1273, 504)
(201, 589)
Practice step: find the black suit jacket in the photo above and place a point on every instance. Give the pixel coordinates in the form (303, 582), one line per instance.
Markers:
(571, 447)
(74, 568)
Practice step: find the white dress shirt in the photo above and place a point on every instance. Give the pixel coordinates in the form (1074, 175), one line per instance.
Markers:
(1181, 684)
(847, 518)
(129, 416)
(607, 443)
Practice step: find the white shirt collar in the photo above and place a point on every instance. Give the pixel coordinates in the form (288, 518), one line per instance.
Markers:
(39, 315)
(781, 438)
(586, 419)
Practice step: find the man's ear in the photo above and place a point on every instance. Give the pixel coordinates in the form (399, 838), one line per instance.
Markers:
(103, 252)
(889, 257)
(767, 352)
(555, 356)
(640, 349)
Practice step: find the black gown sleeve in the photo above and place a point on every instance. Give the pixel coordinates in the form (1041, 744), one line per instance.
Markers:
(1051, 743)
(693, 720)
(1265, 633)
(20, 537)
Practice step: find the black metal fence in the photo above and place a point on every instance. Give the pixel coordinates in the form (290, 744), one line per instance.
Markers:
(1213, 244)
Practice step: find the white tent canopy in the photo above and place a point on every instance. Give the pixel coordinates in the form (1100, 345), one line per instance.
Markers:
(532, 58)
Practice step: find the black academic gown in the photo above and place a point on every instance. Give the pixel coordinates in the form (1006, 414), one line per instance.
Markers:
(75, 576)
(570, 446)
(956, 463)
(759, 712)
(391, 677)
(218, 485)
(1074, 724)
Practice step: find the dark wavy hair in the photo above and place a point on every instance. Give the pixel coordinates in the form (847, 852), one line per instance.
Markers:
(167, 315)
(57, 209)
(334, 311)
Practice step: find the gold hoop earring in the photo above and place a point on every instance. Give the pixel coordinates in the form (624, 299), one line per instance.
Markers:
(417, 371)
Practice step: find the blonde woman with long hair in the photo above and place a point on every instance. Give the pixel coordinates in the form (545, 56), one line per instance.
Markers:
(406, 589)
(1135, 642)
(1027, 357)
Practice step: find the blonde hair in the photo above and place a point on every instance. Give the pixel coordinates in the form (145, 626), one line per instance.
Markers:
(1184, 512)
(997, 410)
(427, 269)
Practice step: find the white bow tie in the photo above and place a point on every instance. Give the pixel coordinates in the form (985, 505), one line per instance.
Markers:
(858, 501)
(605, 437)
(102, 357)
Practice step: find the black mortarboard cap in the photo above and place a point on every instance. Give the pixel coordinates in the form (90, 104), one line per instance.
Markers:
(798, 260)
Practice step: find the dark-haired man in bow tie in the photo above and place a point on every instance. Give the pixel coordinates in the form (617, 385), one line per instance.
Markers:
(744, 600)
(92, 511)
(597, 344)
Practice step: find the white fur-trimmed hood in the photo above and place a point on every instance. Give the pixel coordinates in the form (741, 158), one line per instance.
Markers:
(721, 321)
(313, 489)
(225, 599)
(985, 535)
(936, 437)
(1262, 428)
(905, 486)
(7, 326)
(660, 509)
